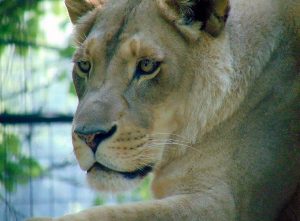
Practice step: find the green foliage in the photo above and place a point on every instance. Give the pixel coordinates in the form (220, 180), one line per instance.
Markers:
(72, 90)
(56, 7)
(99, 201)
(66, 52)
(141, 193)
(15, 167)
(19, 23)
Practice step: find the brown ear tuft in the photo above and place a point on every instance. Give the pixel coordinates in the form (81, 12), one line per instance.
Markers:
(217, 19)
(78, 8)
(212, 14)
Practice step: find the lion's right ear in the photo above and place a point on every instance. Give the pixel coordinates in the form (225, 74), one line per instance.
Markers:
(78, 8)
(212, 14)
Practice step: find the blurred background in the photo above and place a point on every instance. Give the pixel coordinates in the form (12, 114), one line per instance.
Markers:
(38, 171)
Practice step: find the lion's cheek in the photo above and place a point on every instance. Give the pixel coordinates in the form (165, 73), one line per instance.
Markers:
(167, 120)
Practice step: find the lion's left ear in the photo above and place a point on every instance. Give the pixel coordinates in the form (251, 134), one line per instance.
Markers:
(78, 8)
(212, 14)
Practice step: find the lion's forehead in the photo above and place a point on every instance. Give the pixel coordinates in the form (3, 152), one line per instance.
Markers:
(108, 28)
(106, 24)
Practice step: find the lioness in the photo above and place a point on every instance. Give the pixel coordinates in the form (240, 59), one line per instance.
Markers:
(203, 93)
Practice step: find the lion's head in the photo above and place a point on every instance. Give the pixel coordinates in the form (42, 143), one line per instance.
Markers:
(151, 78)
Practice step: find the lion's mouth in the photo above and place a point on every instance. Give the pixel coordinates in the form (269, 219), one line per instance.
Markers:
(142, 172)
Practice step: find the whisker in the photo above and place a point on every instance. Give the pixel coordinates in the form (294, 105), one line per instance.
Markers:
(166, 143)
(170, 139)
(175, 144)
(144, 165)
(173, 140)
(172, 134)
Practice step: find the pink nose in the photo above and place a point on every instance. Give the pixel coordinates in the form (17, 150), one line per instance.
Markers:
(93, 137)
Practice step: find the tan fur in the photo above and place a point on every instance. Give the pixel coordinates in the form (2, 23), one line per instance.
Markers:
(219, 120)
(79, 8)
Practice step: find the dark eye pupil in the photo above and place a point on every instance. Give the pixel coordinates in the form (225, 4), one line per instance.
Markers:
(147, 66)
(84, 66)
(146, 63)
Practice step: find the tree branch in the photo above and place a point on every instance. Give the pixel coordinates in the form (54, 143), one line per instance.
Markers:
(38, 118)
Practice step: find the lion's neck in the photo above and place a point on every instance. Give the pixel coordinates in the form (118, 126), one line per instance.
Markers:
(268, 111)
(266, 108)
(262, 62)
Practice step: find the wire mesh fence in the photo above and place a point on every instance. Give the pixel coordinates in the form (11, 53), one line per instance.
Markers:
(59, 189)
(39, 176)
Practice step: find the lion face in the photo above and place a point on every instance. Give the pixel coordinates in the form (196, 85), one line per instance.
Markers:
(133, 86)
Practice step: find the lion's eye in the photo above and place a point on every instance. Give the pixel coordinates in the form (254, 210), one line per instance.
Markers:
(84, 66)
(147, 67)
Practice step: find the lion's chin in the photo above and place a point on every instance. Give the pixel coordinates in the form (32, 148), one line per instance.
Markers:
(105, 179)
